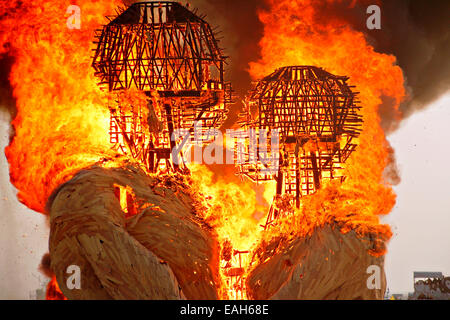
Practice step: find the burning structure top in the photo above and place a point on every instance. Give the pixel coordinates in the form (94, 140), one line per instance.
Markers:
(159, 46)
(169, 53)
(316, 116)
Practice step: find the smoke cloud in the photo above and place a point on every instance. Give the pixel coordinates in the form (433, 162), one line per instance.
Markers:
(416, 32)
(239, 31)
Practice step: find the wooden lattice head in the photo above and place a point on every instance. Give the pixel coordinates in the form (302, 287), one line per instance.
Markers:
(305, 102)
(317, 119)
(159, 46)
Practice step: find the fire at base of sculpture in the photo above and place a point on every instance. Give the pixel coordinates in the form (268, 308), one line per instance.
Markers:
(133, 236)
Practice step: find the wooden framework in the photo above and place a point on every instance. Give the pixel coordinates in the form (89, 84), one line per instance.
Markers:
(235, 273)
(317, 117)
(171, 54)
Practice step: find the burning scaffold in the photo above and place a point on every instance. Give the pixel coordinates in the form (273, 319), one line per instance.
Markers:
(316, 116)
(170, 54)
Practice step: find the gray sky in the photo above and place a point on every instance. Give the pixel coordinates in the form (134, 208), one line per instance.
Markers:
(420, 220)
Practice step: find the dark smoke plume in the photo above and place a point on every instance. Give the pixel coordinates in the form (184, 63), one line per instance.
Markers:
(7, 101)
(417, 33)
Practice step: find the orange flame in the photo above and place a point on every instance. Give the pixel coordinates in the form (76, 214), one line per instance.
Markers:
(62, 118)
(233, 212)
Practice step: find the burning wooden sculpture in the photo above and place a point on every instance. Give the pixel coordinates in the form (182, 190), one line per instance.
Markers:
(316, 116)
(169, 53)
(137, 235)
(164, 69)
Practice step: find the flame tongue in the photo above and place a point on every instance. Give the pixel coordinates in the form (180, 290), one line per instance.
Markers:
(62, 118)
